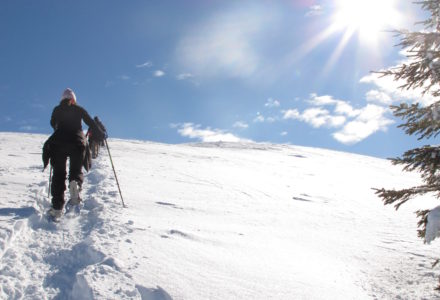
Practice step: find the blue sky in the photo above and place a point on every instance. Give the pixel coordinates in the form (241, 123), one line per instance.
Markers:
(296, 72)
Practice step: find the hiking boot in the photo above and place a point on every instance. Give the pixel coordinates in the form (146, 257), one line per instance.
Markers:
(74, 190)
(55, 213)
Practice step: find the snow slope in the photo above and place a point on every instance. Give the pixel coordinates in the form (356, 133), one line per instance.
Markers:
(212, 221)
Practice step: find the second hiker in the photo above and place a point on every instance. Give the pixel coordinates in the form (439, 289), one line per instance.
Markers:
(94, 141)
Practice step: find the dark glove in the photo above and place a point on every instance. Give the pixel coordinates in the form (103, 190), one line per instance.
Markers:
(46, 153)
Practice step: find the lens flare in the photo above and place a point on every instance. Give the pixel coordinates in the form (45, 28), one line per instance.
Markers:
(367, 17)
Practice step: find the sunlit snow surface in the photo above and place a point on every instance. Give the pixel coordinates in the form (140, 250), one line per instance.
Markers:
(212, 221)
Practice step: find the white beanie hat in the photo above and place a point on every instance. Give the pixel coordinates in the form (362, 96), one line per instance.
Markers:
(68, 94)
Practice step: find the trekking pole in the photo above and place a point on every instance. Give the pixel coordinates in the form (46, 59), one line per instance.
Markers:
(116, 177)
(50, 181)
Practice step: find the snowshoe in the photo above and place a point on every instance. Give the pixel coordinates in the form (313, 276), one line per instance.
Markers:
(74, 190)
(55, 214)
(72, 209)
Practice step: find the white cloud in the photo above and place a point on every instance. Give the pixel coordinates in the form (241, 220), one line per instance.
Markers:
(378, 97)
(314, 10)
(271, 119)
(193, 131)
(318, 117)
(184, 76)
(346, 109)
(370, 120)
(390, 88)
(224, 45)
(321, 100)
(357, 124)
(241, 124)
(259, 118)
(315, 116)
(284, 133)
(124, 77)
(341, 107)
(147, 64)
(159, 73)
(353, 125)
(291, 114)
(272, 103)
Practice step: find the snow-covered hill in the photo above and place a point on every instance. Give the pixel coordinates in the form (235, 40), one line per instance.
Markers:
(212, 221)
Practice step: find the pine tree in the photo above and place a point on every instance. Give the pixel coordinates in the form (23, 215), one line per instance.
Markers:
(422, 71)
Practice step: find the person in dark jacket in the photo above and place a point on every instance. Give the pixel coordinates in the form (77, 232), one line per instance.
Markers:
(102, 127)
(96, 142)
(68, 141)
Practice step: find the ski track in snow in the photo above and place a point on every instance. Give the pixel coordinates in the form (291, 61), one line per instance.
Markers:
(210, 221)
(73, 259)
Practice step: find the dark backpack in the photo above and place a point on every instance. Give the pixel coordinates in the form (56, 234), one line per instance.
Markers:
(48, 152)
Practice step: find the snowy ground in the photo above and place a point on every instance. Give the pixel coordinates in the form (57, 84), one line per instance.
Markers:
(212, 221)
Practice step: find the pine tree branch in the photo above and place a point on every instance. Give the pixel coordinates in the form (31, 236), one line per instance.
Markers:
(399, 197)
(419, 120)
(423, 216)
(423, 69)
(425, 160)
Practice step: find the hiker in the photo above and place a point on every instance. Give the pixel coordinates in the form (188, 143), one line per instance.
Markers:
(68, 140)
(95, 142)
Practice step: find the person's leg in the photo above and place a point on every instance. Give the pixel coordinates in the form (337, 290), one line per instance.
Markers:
(76, 155)
(58, 185)
(92, 147)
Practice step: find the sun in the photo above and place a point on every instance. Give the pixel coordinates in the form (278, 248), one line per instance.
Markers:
(368, 18)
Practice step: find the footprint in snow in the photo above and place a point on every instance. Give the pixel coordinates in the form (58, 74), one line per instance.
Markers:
(169, 204)
(178, 233)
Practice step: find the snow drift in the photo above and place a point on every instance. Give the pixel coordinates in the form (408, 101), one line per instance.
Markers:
(212, 221)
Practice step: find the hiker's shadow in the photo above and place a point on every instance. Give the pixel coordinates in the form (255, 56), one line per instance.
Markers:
(18, 213)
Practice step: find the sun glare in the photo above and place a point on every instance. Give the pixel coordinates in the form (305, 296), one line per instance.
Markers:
(369, 20)
(366, 17)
